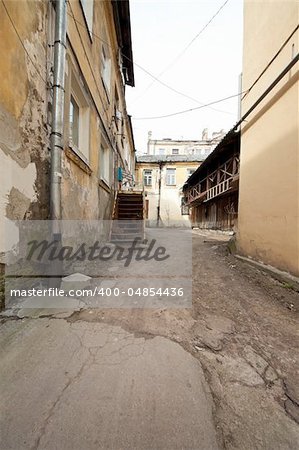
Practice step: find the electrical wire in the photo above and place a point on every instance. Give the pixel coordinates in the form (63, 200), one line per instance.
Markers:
(145, 70)
(142, 68)
(189, 110)
(195, 37)
(22, 43)
(173, 62)
(272, 60)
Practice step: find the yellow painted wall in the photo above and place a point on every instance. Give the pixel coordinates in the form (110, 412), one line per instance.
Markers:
(268, 228)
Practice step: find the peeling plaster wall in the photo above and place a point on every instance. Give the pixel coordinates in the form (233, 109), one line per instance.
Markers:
(24, 155)
(25, 115)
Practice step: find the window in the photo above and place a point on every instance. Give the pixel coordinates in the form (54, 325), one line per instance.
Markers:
(106, 67)
(117, 113)
(175, 151)
(170, 177)
(161, 151)
(190, 172)
(87, 6)
(74, 122)
(184, 207)
(105, 161)
(79, 117)
(147, 177)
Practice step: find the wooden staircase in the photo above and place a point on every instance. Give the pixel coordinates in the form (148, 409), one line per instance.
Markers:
(128, 223)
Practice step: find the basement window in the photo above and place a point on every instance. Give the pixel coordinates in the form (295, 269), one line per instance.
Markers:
(147, 177)
(184, 207)
(170, 177)
(79, 116)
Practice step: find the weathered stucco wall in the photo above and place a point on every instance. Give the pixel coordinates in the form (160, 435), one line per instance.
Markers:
(84, 194)
(268, 196)
(25, 112)
(24, 157)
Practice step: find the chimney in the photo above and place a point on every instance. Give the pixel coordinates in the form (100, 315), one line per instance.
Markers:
(149, 137)
(205, 134)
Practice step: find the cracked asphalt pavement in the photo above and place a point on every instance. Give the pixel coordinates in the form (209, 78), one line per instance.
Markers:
(87, 385)
(220, 375)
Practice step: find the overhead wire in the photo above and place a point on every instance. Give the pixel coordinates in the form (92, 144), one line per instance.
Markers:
(138, 65)
(182, 52)
(189, 110)
(143, 69)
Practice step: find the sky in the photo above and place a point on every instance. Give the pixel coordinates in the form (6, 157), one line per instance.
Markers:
(207, 71)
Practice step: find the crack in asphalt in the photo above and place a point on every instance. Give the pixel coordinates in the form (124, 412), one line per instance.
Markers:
(89, 361)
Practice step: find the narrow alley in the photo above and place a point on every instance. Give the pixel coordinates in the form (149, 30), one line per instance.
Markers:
(221, 374)
(149, 218)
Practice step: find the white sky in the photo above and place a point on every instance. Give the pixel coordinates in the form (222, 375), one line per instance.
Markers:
(208, 71)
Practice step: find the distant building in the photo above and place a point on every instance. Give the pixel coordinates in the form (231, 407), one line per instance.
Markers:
(167, 146)
(163, 172)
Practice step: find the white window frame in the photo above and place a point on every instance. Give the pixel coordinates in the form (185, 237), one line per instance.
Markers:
(147, 177)
(170, 178)
(161, 151)
(74, 112)
(80, 98)
(87, 6)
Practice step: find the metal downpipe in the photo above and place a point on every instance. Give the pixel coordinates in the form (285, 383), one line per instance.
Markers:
(56, 138)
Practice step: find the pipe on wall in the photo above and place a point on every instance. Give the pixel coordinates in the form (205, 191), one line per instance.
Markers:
(56, 138)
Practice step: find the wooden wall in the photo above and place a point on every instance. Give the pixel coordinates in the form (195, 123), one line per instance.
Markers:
(220, 213)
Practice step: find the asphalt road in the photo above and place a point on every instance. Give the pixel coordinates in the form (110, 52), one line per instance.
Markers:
(86, 385)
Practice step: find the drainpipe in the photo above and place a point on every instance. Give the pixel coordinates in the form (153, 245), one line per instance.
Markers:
(159, 197)
(56, 139)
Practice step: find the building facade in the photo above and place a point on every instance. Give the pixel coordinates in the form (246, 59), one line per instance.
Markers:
(163, 178)
(97, 134)
(164, 170)
(200, 148)
(268, 199)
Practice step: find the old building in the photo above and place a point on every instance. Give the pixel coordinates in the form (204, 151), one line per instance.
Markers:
(95, 140)
(163, 172)
(211, 192)
(268, 197)
(165, 147)
(163, 178)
